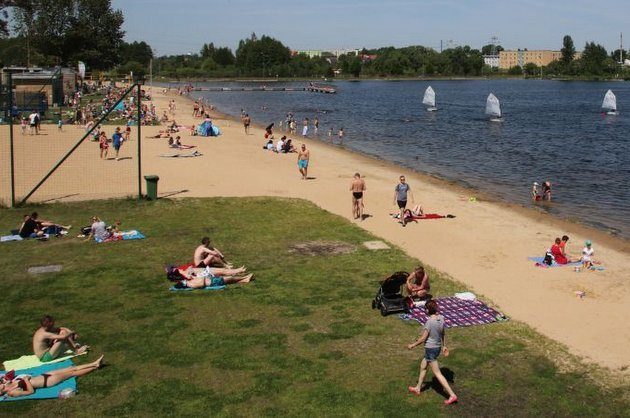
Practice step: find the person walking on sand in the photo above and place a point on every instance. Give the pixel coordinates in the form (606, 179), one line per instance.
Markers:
(357, 187)
(103, 145)
(246, 122)
(117, 140)
(341, 134)
(434, 339)
(304, 156)
(401, 191)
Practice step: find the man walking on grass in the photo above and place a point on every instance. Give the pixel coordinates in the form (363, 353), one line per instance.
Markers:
(303, 157)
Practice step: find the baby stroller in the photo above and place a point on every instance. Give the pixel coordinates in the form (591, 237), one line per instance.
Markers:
(389, 298)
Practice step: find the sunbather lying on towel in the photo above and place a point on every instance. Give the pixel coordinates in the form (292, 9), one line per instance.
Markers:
(27, 385)
(33, 227)
(198, 278)
(50, 342)
(418, 283)
(206, 255)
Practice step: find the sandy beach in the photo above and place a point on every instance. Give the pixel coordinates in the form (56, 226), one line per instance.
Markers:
(485, 247)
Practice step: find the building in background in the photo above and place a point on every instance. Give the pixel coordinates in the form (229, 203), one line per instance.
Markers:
(311, 53)
(491, 61)
(542, 58)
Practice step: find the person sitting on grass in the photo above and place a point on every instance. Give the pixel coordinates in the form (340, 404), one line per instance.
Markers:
(198, 278)
(417, 285)
(27, 385)
(50, 342)
(434, 339)
(206, 255)
(33, 227)
(101, 232)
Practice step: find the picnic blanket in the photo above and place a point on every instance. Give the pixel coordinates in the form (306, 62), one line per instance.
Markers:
(458, 313)
(27, 362)
(45, 393)
(124, 236)
(538, 262)
(8, 238)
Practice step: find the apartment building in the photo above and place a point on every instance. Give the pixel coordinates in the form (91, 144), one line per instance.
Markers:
(509, 59)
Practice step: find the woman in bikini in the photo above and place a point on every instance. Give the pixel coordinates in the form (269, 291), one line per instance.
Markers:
(418, 283)
(27, 385)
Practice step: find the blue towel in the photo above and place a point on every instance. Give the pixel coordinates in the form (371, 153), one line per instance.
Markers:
(539, 260)
(45, 393)
(126, 235)
(186, 289)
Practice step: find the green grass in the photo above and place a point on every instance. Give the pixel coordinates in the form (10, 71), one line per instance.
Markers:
(300, 340)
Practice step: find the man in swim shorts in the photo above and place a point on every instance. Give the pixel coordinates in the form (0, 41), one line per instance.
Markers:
(50, 342)
(357, 187)
(196, 278)
(304, 156)
(208, 256)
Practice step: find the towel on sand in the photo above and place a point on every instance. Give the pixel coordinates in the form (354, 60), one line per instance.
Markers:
(45, 393)
(458, 313)
(27, 362)
(539, 262)
(124, 236)
(182, 155)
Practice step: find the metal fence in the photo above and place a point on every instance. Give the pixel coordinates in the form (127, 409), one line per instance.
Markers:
(63, 144)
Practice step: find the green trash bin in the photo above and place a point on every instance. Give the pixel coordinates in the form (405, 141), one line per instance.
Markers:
(152, 186)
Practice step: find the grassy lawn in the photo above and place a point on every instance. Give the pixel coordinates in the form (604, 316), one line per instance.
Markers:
(300, 340)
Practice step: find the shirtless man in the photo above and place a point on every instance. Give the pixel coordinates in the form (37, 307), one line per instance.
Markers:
(50, 342)
(357, 187)
(207, 256)
(304, 156)
(418, 283)
(246, 122)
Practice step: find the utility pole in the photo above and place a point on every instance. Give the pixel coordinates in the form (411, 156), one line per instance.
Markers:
(621, 48)
(440, 46)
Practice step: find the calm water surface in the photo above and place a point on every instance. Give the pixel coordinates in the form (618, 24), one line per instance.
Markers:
(552, 130)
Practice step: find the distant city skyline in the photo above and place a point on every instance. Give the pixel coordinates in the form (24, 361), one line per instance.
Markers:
(182, 27)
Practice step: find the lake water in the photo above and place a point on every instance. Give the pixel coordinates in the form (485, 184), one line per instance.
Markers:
(553, 130)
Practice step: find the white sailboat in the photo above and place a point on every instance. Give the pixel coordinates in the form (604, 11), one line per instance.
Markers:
(493, 108)
(610, 103)
(429, 99)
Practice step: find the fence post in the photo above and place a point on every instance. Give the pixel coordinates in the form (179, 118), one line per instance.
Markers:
(10, 120)
(139, 105)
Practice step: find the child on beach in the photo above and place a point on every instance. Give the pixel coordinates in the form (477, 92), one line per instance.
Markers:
(434, 339)
(535, 195)
(23, 125)
(341, 134)
(330, 134)
(587, 255)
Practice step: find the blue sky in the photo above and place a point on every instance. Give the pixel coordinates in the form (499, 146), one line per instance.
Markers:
(182, 26)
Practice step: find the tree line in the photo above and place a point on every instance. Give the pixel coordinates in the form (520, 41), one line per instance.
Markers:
(63, 32)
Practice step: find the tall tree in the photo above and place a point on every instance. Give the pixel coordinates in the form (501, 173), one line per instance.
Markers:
(491, 49)
(568, 50)
(139, 52)
(594, 58)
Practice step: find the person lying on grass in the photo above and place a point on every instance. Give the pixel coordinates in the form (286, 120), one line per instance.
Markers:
(198, 278)
(417, 285)
(50, 342)
(33, 227)
(206, 255)
(27, 385)
(434, 340)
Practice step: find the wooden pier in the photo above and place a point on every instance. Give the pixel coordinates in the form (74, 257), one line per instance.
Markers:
(311, 88)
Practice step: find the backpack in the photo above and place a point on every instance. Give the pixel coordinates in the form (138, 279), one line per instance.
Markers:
(548, 260)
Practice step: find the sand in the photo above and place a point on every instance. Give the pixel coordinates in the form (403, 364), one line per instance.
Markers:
(485, 247)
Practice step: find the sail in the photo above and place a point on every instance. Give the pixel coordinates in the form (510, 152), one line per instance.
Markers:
(493, 107)
(429, 97)
(610, 101)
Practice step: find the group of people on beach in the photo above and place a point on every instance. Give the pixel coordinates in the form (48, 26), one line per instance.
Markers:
(558, 253)
(49, 343)
(544, 194)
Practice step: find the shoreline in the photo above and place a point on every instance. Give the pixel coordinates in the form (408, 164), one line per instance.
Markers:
(393, 79)
(572, 226)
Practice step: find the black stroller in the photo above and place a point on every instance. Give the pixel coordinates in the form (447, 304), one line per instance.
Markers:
(389, 298)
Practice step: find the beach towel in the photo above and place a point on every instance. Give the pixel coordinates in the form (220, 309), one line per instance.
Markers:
(396, 216)
(9, 238)
(187, 289)
(123, 236)
(182, 155)
(458, 313)
(538, 262)
(27, 362)
(45, 393)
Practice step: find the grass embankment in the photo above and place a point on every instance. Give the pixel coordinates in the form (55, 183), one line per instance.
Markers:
(300, 340)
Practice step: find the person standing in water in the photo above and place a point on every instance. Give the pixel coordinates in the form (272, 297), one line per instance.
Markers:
(357, 187)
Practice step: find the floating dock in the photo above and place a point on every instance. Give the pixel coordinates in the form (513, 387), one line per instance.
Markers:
(311, 88)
